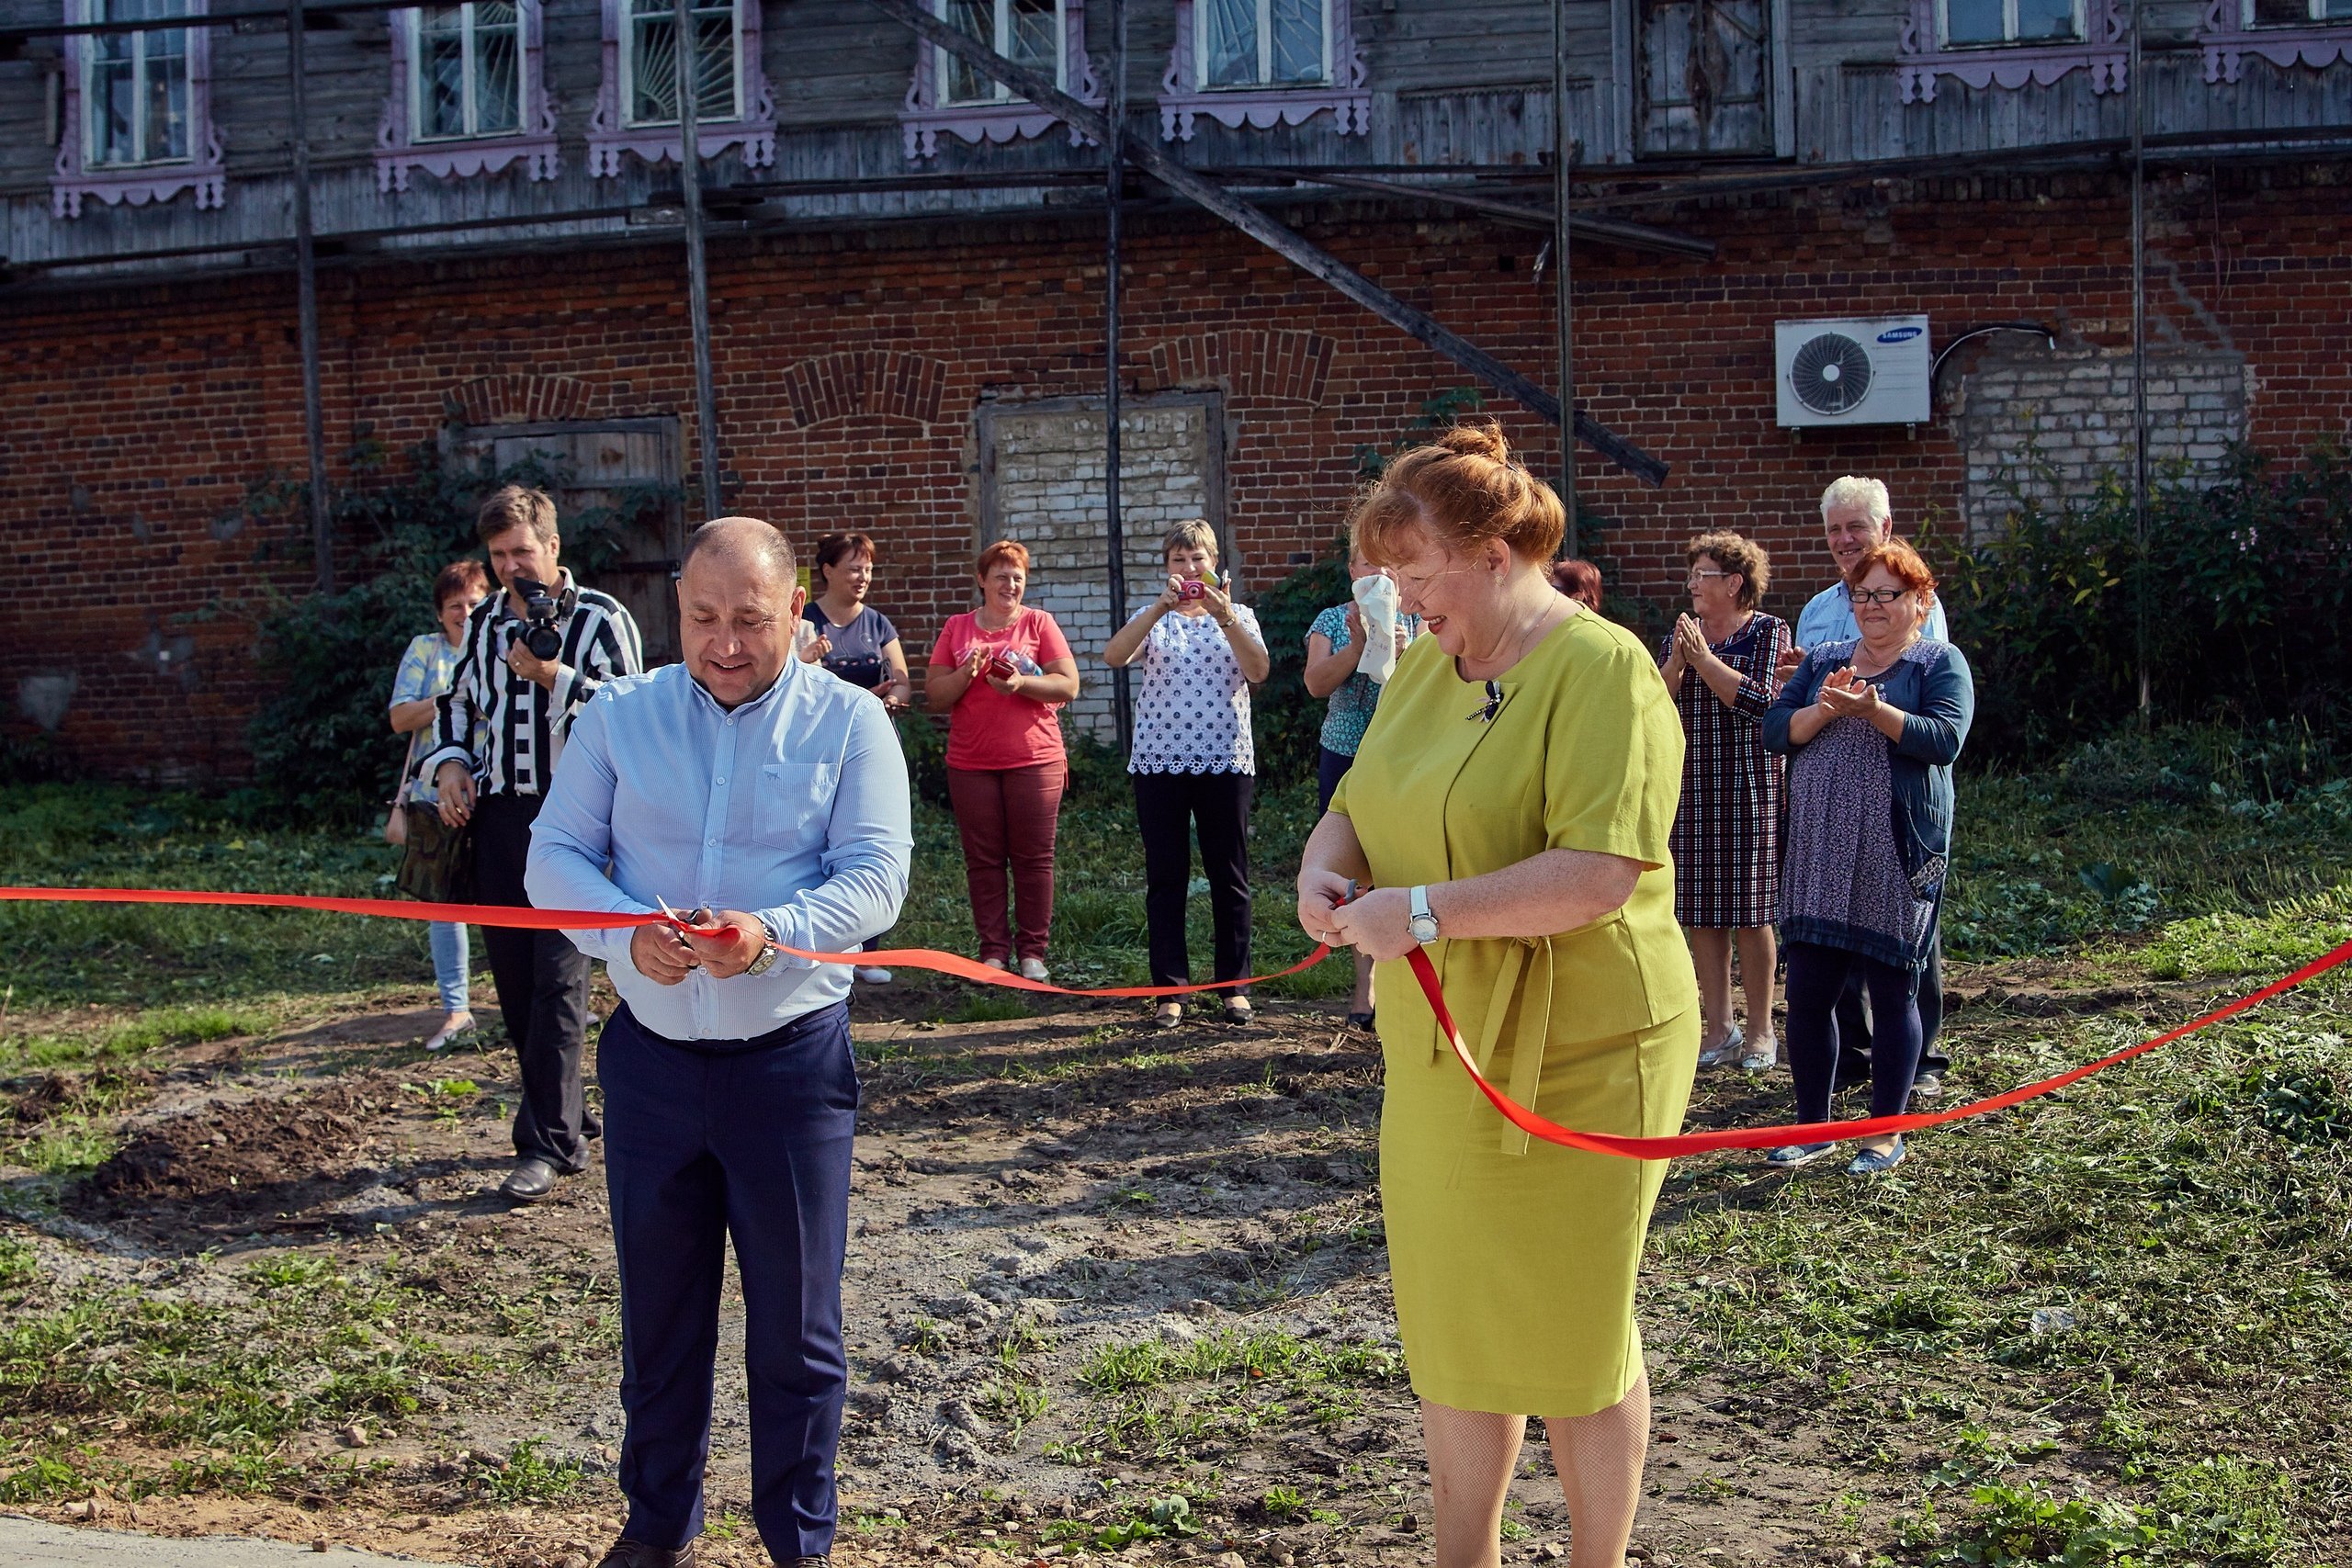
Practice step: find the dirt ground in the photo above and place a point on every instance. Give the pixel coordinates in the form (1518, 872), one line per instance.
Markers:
(1098, 1276)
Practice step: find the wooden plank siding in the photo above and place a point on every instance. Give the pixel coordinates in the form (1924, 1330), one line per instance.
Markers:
(1453, 83)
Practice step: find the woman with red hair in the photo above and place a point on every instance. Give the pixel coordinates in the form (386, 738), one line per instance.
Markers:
(1872, 726)
(1003, 670)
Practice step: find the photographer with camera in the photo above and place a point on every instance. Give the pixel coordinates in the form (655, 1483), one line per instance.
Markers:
(532, 657)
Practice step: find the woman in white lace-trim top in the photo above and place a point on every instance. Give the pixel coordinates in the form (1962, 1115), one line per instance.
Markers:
(1191, 761)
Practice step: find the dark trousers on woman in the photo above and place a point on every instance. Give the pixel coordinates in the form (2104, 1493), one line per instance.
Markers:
(706, 1139)
(1168, 807)
(1817, 978)
(1854, 1022)
(542, 992)
(1007, 817)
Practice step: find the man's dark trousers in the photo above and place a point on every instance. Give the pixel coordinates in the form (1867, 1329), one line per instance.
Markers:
(704, 1139)
(542, 992)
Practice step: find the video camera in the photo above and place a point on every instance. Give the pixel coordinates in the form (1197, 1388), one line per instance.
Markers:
(541, 611)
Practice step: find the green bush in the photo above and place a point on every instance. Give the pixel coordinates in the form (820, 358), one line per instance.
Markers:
(2240, 583)
(321, 750)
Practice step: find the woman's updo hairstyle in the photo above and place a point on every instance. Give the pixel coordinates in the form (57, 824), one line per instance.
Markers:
(1459, 491)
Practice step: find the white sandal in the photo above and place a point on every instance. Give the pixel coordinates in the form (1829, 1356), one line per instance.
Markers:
(1723, 1050)
(1762, 1057)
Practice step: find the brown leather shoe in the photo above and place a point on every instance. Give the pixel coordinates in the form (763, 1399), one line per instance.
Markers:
(628, 1553)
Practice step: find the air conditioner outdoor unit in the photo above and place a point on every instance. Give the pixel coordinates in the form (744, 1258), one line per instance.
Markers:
(1856, 370)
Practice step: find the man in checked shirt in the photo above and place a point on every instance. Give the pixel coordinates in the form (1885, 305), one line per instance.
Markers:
(501, 727)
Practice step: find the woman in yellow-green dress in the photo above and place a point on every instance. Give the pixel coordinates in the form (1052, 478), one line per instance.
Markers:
(1511, 807)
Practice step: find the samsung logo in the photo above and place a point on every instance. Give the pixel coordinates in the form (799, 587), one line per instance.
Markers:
(1900, 334)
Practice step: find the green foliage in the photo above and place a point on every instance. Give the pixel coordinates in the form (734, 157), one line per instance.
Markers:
(321, 748)
(2221, 1509)
(529, 1476)
(1287, 723)
(2240, 585)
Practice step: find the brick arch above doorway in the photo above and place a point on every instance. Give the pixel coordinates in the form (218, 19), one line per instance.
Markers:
(874, 382)
(517, 398)
(1255, 365)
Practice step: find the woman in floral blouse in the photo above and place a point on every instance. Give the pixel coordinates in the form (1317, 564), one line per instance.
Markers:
(1191, 761)
(425, 673)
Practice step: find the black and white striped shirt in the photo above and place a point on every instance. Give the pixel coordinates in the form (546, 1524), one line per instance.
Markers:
(510, 730)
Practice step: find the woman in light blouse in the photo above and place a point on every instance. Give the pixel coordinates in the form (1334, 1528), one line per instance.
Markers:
(1191, 761)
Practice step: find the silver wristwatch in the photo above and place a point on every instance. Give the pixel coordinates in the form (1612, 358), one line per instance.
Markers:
(1420, 923)
(766, 960)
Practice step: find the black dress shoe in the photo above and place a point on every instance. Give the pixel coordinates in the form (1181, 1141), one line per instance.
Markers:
(812, 1562)
(531, 1180)
(628, 1553)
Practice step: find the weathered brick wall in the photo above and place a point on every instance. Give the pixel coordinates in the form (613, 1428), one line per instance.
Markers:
(851, 366)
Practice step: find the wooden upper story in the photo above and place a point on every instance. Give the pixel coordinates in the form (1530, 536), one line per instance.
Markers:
(484, 123)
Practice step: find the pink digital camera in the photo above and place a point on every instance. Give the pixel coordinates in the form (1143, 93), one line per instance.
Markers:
(1190, 589)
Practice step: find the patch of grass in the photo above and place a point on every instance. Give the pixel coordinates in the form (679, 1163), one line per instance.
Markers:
(529, 1476)
(991, 1006)
(65, 1145)
(19, 1264)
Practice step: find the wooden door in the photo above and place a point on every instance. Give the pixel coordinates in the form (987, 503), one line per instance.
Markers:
(619, 507)
(1707, 66)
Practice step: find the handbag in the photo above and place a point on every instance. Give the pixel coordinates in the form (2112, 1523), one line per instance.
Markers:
(437, 862)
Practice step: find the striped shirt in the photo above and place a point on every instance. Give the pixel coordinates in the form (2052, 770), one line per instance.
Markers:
(507, 728)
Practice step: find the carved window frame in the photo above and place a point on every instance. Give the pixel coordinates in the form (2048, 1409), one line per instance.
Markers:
(753, 130)
(398, 151)
(2230, 34)
(924, 117)
(2104, 51)
(204, 170)
(1182, 99)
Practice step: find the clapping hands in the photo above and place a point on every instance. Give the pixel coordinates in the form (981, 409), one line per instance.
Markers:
(1848, 695)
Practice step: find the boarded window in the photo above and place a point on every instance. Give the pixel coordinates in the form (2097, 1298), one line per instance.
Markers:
(1042, 483)
(1705, 66)
(617, 505)
(2046, 427)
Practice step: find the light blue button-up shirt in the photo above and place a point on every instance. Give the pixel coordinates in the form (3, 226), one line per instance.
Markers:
(1829, 617)
(792, 806)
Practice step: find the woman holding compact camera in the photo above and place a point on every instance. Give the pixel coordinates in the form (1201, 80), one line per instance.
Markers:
(1001, 671)
(1193, 761)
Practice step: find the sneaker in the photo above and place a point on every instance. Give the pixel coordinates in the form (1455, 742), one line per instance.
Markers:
(1788, 1157)
(1928, 1085)
(1723, 1050)
(872, 975)
(1878, 1162)
(1032, 969)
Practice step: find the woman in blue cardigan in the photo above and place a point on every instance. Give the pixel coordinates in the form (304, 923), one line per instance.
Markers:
(1871, 728)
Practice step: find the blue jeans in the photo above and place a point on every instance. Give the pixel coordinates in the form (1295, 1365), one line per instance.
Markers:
(451, 965)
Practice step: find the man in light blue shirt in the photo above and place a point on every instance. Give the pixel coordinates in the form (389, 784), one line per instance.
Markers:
(750, 783)
(1856, 514)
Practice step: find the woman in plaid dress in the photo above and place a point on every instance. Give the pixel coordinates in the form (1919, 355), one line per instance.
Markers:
(1718, 663)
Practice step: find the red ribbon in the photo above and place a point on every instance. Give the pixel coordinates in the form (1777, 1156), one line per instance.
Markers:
(1423, 972)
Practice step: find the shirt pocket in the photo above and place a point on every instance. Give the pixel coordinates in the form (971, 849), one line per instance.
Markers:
(795, 804)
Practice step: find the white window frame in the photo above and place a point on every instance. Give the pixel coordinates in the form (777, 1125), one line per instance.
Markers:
(2312, 16)
(629, 18)
(944, 62)
(2009, 38)
(415, 20)
(1265, 82)
(94, 109)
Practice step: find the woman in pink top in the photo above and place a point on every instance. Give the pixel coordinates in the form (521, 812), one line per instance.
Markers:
(1001, 671)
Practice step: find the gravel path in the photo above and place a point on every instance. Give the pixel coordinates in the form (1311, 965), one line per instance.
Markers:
(28, 1544)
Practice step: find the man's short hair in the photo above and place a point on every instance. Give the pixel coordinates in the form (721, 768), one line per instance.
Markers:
(1852, 489)
(765, 545)
(516, 506)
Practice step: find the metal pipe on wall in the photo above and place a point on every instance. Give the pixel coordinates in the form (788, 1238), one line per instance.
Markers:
(306, 297)
(697, 272)
(1563, 184)
(1114, 172)
(2139, 354)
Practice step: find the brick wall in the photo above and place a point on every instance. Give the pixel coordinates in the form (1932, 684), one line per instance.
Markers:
(851, 366)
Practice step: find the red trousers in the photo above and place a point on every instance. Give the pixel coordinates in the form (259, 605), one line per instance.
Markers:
(1007, 816)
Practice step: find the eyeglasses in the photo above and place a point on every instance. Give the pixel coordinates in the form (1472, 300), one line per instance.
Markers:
(1702, 576)
(1877, 595)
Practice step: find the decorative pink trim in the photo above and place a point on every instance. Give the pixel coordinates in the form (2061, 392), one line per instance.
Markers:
(397, 154)
(754, 131)
(2105, 54)
(922, 117)
(2228, 41)
(204, 172)
(1180, 103)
